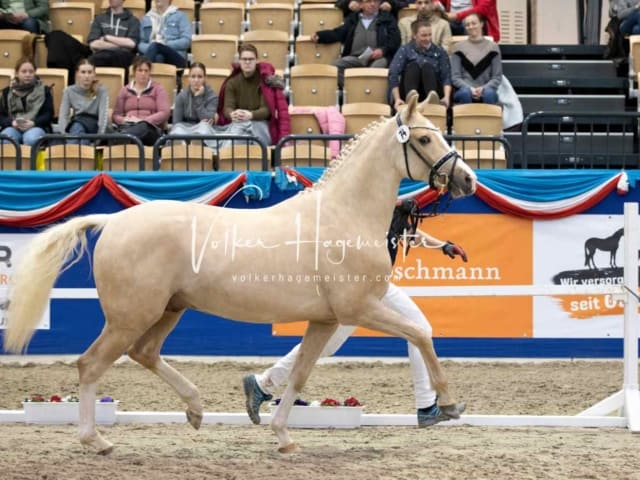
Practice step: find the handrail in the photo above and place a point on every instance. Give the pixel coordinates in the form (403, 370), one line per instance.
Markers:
(294, 138)
(478, 139)
(17, 147)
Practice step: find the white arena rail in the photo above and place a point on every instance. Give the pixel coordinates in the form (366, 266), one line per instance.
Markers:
(622, 409)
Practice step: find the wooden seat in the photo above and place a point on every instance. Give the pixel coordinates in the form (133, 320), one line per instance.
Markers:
(72, 17)
(166, 75)
(319, 16)
(479, 119)
(240, 158)
(70, 157)
(188, 7)
(408, 11)
(214, 51)
(634, 52)
(305, 154)
(304, 123)
(186, 157)
(9, 157)
(6, 74)
(57, 79)
(215, 78)
(113, 80)
(221, 18)
(437, 113)
(271, 17)
(365, 85)
(125, 157)
(273, 47)
(359, 115)
(314, 85)
(308, 52)
(11, 47)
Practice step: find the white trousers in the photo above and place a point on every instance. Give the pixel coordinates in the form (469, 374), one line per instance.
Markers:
(396, 300)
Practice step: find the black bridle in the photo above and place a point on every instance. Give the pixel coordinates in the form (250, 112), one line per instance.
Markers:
(434, 170)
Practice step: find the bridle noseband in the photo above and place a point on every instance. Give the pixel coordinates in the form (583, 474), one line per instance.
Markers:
(451, 154)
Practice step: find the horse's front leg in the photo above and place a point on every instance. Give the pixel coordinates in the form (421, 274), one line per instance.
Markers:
(314, 341)
(379, 317)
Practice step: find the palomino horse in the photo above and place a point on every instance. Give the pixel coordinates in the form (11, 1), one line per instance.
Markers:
(609, 244)
(319, 256)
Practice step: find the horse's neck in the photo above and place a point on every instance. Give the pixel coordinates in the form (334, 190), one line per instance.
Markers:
(367, 181)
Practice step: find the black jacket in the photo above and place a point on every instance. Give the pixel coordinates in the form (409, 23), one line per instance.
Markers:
(387, 34)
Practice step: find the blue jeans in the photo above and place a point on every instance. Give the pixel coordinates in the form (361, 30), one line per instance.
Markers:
(76, 128)
(29, 24)
(159, 53)
(631, 24)
(463, 95)
(28, 137)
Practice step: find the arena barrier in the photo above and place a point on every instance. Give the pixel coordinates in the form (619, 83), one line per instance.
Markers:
(622, 409)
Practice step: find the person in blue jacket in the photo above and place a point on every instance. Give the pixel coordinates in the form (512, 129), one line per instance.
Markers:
(165, 34)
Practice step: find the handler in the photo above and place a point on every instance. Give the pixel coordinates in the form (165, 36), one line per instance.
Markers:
(261, 387)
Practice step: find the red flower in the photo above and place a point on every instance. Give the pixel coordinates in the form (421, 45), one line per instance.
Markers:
(36, 397)
(352, 402)
(330, 402)
(55, 398)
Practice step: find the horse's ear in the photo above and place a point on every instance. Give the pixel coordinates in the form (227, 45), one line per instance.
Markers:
(433, 98)
(412, 102)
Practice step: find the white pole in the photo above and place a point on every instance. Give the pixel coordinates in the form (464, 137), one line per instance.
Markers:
(630, 379)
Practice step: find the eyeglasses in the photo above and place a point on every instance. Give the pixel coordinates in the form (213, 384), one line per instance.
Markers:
(248, 60)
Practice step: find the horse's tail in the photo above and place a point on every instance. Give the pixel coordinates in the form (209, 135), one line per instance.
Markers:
(37, 271)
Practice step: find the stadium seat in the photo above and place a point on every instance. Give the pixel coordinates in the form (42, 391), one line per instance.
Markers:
(241, 157)
(70, 157)
(113, 80)
(358, 115)
(57, 79)
(11, 47)
(186, 157)
(369, 85)
(479, 119)
(72, 17)
(215, 77)
(273, 47)
(214, 51)
(314, 85)
(308, 52)
(166, 75)
(125, 158)
(221, 18)
(437, 113)
(318, 16)
(271, 17)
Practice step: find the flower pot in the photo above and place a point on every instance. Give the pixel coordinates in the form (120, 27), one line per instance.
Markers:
(66, 412)
(323, 417)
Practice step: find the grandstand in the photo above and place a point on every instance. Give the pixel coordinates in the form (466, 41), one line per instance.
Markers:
(580, 109)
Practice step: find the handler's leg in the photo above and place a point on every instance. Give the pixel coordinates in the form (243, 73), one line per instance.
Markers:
(425, 396)
(261, 387)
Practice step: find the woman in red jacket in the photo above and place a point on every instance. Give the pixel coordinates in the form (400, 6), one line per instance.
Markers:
(487, 9)
(254, 93)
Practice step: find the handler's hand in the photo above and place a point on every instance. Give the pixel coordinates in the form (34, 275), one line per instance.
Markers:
(452, 250)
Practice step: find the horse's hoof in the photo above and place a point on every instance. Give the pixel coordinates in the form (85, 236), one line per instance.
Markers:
(195, 419)
(106, 451)
(291, 448)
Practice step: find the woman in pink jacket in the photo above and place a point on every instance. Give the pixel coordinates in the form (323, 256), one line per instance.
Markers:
(142, 107)
(254, 93)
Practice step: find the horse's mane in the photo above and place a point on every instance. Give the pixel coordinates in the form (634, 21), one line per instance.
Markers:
(344, 154)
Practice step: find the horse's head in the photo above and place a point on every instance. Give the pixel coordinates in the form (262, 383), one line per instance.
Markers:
(426, 154)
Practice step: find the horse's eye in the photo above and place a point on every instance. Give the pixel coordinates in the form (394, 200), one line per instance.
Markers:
(424, 140)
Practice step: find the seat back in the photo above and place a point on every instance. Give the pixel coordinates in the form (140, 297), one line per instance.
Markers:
(359, 115)
(113, 80)
(305, 154)
(72, 17)
(6, 74)
(9, 157)
(166, 75)
(125, 158)
(186, 157)
(188, 7)
(273, 47)
(368, 85)
(314, 85)
(239, 158)
(271, 17)
(70, 157)
(437, 113)
(221, 18)
(314, 17)
(56, 78)
(478, 119)
(308, 52)
(215, 77)
(11, 47)
(214, 51)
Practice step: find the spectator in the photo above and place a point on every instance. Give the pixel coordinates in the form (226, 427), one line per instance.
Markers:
(252, 99)
(370, 38)
(426, 10)
(628, 13)
(114, 36)
(458, 10)
(476, 65)
(26, 105)
(391, 6)
(85, 104)
(30, 15)
(165, 34)
(142, 107)
(194, 112)
(420, 65)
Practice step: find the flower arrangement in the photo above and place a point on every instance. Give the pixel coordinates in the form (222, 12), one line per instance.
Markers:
(57, 409)
(38, 398)
(322, 414)
(327, 402)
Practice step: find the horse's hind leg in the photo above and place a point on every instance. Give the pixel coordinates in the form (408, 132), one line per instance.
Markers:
(314, 341)
(105, 350)
(146, 351)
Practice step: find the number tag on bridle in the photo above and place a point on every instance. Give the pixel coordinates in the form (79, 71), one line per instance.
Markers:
(402, 134)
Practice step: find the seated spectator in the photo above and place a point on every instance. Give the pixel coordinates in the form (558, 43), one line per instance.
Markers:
(114, 36)
(30, 15)
(391, 6)
(420, 65)
(165, 34)
(26, 105)
(370, 38)
(194, 111)
(476, 66)
(252, 99)
(85, 104)
(628, 13)
(142, 107)
(458, 10)
(426, 10)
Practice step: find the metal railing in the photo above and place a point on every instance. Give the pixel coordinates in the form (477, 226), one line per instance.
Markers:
(478, 151)
(7, 142)
(310, 150)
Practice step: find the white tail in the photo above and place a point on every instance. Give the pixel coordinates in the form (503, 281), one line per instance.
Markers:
(37, 272)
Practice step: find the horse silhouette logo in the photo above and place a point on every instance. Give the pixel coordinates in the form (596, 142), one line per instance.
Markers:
(609, 244)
